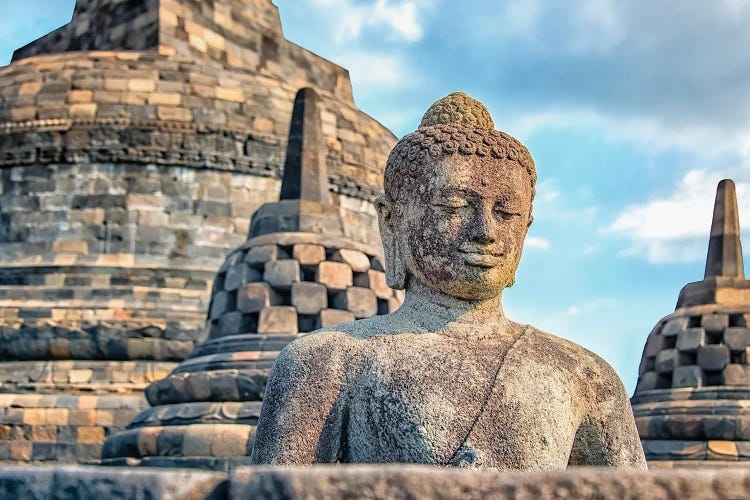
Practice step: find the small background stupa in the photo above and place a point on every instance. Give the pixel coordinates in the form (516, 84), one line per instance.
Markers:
(692, 401)
(135, 142)
(297, 272)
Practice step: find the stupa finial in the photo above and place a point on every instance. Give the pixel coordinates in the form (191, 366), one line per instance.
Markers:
(305, 172)
(724, 248)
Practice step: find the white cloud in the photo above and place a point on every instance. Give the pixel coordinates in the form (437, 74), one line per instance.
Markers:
(352, 18)
(536, 242)
(675, 228)
(368, 70)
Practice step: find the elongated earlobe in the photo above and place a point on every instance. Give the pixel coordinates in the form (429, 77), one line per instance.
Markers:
(395, 267)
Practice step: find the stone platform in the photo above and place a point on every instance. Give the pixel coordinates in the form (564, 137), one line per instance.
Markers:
(400, 481)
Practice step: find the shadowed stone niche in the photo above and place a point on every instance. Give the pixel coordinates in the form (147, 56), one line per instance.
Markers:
(135, 142)
(297, 272)
(447, 379)
(692, 401)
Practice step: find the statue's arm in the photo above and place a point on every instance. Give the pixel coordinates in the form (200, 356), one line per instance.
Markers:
(607, 435)
(302, 415)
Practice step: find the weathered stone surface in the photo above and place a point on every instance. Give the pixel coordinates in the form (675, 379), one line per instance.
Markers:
(281, 274)
(331, 317)
(239, 275)
(103, 482)
(334, 275)
(253, 297)
(360, 301)
(278, 319)
(358, 261)
(450, 337)
(713, 357)
(737, 338)
(410, 481)
(737, 375)
(309, 255)
(691, 339)
(309, 298)
(688, 376)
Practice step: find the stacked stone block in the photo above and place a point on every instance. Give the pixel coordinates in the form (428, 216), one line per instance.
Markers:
(267, 292)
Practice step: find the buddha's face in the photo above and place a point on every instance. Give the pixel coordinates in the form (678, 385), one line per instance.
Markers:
(462, 233)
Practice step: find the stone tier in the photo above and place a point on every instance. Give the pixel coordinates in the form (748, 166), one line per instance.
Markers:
(269, 290)
(144, 108)
(62, 411)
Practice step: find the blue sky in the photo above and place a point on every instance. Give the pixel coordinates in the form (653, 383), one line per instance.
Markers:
(632, 110)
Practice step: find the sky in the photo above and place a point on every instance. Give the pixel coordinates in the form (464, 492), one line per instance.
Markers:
(633, 111)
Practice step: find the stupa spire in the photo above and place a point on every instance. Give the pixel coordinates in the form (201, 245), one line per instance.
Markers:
(724, 248)
(305, 172)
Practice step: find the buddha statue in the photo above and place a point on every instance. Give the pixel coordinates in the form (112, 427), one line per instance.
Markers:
(448, 379)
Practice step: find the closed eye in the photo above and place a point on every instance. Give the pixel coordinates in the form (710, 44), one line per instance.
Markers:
(506, 214)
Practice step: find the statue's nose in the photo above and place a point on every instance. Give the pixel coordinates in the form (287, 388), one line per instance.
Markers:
(482, 230)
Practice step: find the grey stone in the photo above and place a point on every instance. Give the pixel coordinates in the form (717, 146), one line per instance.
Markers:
(422, 384)
(714, 323)
(737, 338)
(668, 359)
(281, 274)
(688, 376)
(278, 320)
(691, 339)
(309, 298)
(713, 357)
(240, 274)
(104, 482)
(332, 317)
(400, 481)
(360, 301)
(252, 297)
(674, 326)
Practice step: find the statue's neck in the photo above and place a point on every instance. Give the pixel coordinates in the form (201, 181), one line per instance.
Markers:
(435, 311)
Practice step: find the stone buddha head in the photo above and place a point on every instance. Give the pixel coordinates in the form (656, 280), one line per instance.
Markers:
(457, 203)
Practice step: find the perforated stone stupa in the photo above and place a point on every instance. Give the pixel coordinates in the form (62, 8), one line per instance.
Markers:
(692, 401)
(297, 272)
(135, 141)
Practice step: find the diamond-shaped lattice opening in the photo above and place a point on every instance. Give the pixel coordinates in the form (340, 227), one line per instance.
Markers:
(382, 307)
(714, 338)
(713, 377)
(670, 342)
(694, 322)
(285, 296)
(308, 273)
(306, 322)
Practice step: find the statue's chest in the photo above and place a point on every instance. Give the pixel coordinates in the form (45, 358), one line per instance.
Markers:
(423, 404)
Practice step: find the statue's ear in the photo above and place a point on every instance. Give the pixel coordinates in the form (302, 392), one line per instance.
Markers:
(395, 267)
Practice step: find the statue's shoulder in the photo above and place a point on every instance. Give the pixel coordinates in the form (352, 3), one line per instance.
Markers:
(571, 358)
(335, 344)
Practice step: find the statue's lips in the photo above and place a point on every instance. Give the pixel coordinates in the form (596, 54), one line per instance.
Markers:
(480, 259)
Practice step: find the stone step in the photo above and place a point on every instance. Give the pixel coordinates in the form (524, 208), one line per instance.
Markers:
(218, 385)
(245, 412)
(721, 450)
(243, 342)
(231, 360)
(198, 440)
(82, 374)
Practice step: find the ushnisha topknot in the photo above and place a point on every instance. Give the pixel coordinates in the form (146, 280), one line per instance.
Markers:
(455, 124)
(456, 109)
